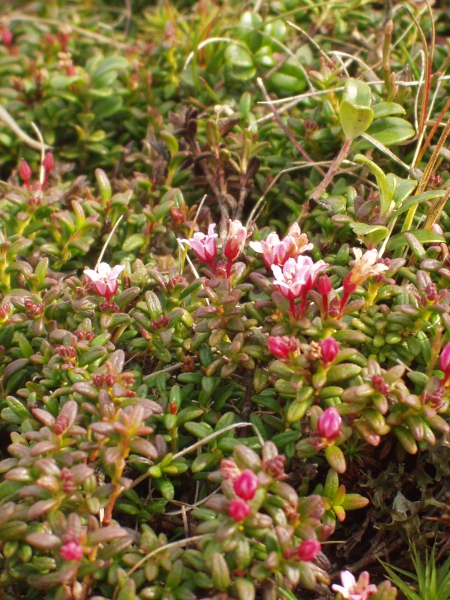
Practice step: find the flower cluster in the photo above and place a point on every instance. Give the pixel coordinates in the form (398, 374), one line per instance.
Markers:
(204, 245)
(245, 486)
(277, 252)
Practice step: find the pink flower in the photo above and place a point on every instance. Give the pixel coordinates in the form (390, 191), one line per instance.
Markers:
(237, 234)
(71, 551)
(329, 424)
(281, 347)
(246, 485)
(329, 349)
(308, 550)
(105, 279)
(203, 245)
(355, 590)
(444, 362)
(297, 276)
(239, 509)
(364, 266)
(277, 252)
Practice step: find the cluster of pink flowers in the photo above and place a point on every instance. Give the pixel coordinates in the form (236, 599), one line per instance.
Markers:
(204, 245)
(296, 277)
(277, 252)
(294, 273)
(245, 486)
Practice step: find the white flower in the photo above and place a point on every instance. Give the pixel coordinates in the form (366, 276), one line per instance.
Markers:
(105, 279)
(355, 590)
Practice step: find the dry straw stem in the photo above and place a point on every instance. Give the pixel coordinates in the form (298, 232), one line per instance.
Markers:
(426, 176)
(203, 441)
(285, 127)
(11, 123)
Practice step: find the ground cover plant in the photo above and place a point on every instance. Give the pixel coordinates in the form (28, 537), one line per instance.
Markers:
(224, 318)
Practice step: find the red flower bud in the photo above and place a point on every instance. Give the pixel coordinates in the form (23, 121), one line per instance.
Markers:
(49, 162)
(329, 348)
(246, 485)
(281, 347)
(71, 551)
(7, 37)
(239, 510)
(324, 286)
(25, 171)
(308, 550)
(329, 424)
(444, 360)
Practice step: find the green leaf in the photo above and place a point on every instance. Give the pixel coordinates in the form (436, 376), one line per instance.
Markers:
(389, 131)
(241, 61)
(416, 200)
(382, 181)
(385, 109)
(371, 235)
(133, 242)
(400, 188)
(112, 63)
(200, 430)
(62, 81)
(283, 82)
(165, 486)
(424, 237)
(355, 113)
(106, 107)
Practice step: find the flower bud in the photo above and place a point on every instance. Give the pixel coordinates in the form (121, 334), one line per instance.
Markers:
(437, 229)
(308, 550)
(324, 286)
(25, 171)
(329, 424)
(246, 485)
(329, 348)
(71, 551)
(48, 163)
(281, 347)
(7, 37)
(444, 361)
(239, 510)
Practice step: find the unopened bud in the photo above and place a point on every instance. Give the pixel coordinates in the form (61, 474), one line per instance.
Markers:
(308, 550)
(239, 510)
(246, 485)
(25, 171)
(324, 286)
(49, 162)
(329, 348)
(329, 424)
